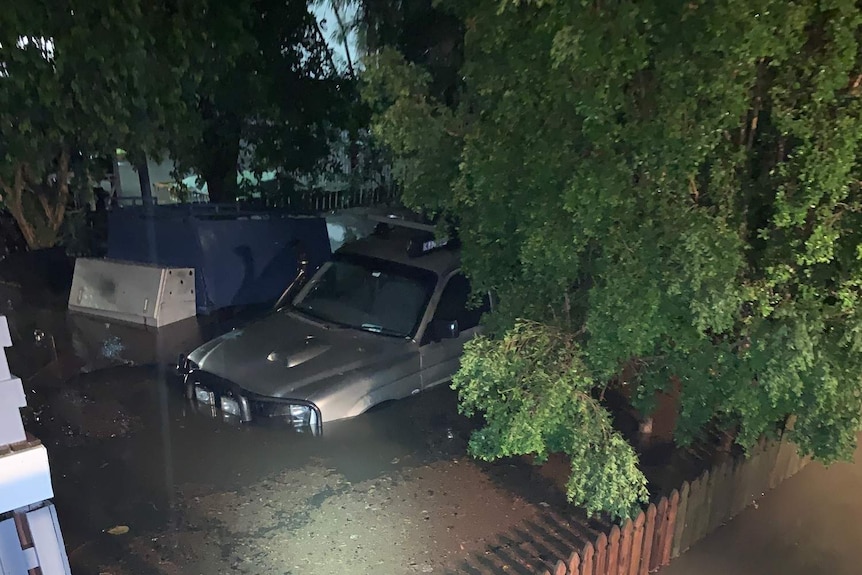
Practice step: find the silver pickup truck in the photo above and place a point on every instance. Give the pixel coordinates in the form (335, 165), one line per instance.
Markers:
(386, 318)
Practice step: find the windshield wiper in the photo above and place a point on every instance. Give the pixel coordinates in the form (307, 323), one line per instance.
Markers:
(318, 317)
(374, 328)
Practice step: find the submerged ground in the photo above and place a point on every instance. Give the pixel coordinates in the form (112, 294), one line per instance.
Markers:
(146, 484)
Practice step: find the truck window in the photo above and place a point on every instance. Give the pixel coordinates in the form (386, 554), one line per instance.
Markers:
(454, 301)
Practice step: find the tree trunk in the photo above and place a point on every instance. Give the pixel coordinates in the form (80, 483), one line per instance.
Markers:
(143, 170)
(219, 187)
(39, 207)
(219, 167)
(345, 37)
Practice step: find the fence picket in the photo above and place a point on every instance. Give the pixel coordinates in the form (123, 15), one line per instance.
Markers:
(667, 529)
(625, 558)
(574, 564)
(676, 547)
(749, 480)
(600, 561)
(708, 496)
(649, 534)
(614, 551)
(714, 509)
(773, 448)
(637, 545)
(670, 525)
(587, 563)
(658, 534)
(694, 496)
(781, 462)
(761, 473)
(739, 493)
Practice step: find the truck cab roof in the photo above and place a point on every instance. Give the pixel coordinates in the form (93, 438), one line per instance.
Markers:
(407, 246)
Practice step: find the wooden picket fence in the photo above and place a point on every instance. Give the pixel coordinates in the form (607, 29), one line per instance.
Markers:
(669, 527)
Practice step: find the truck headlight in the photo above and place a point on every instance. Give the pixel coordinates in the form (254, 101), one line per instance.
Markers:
(204, 395)
(229, 406)
(303, 415)
(300, 414)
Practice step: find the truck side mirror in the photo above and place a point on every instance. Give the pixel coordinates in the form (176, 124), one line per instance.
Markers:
(445, 329)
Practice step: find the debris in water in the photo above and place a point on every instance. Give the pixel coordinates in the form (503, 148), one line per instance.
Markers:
(118, 530)
(112, 347)
(38, 335)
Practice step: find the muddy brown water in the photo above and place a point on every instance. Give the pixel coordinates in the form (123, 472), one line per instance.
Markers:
(388, 492)
(391, 491)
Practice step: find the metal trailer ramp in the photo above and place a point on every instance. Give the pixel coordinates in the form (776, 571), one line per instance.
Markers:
(133, 292)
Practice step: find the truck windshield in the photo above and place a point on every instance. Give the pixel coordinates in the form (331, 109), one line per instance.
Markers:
(368, 294)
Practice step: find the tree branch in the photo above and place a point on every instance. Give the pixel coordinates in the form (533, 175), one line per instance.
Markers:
(344, 35)
(325, 46)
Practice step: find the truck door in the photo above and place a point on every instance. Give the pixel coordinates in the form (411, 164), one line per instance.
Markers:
(440, 355)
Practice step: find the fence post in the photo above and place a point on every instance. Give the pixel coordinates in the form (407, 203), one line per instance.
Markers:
(649, 535)
(613, 551)
(587, 559)
(601, 558)
(560, 569)
(625, 560)
(679, 527)
(637, 545)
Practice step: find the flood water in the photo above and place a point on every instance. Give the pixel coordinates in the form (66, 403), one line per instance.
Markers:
(127, 449)
(146, 483)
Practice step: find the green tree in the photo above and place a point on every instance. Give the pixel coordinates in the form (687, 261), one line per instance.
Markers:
(270, 96)
(424, 32)
(676, 186)
(78, 79)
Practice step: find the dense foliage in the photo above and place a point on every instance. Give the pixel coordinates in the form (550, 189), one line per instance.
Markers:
(77, 80)
(221, 86)
(270, 97)
(676, 185)
(534, 373)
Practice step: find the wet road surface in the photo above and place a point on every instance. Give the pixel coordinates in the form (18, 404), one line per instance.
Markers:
(809, 525)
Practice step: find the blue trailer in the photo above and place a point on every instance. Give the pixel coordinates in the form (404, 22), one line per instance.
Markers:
(240, 257)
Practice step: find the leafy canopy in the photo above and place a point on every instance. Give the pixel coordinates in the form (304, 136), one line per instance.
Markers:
(534, 374)
(78, 79)
(270, 96)
(674, 184)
